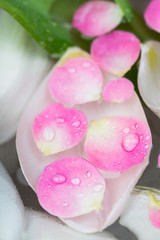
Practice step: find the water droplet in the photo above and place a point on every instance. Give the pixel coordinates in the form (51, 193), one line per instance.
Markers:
(130, 142)
(65, 204)
(76, 124)
(84, 122)
(58, 178)
(88, 173)
(148, 137)
(147, 146)
(126, 130)
(98, 187)
(86, 64)
(75, 181)
(74, 117)
(136, 125)
(48, 133)
(71, 70)
(60, 120)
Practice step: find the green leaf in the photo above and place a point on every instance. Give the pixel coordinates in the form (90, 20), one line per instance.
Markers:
(35, 18)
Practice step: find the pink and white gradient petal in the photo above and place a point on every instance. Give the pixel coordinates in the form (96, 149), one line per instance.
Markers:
(154, 211)
(152, 16)
(70, 186)
(117, 190)
(58, 128)
(116, 52)
(78, 81)
(118, 90)
(120, 148)
(95, 18)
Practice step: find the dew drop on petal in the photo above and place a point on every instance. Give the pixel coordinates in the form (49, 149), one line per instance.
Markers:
(88, 174)
(58, 178)
(76, 124)
(65, 204)
(60, 120)
(130, 142)
(75, 181)
(98, 187)
(48, 133)
(126, 130)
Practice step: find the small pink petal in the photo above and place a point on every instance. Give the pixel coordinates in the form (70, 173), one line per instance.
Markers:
(78, 81)
(159, 160)
(58, 128)
(154, 211)
(116, 52)
(95, 18)
(117, 143)
(70, 186)
(118, 90)
(152, 15)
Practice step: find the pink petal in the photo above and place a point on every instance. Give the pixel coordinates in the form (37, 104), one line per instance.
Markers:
(78, 81)
(116, 52)
(58, 128)
(70, 186)
(117, 189)
(152, 15)
(154, 211)
(95, 18)
(118, 90)
(117, 143)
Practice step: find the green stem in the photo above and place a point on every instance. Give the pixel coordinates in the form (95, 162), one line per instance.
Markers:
(137, 23)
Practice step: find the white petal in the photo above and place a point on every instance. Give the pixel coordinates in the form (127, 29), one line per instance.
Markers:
(135, 215)
(149, 75)
(23, 64)
(118, 189)
(44, 227)
(11, 209)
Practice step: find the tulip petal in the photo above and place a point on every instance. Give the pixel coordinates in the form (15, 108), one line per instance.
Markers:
(58, 128)
(11, 208)
(95, 18)
(23, 65)
(118, 90)
(69, 187)
(135, 215)
(152, 16)
(116, 52)
(120, 148)
(78, 81)
(154, 211)
(118, 187)
(44, 227)
(148, 75)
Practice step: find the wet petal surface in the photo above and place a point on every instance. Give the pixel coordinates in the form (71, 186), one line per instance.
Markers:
(95, 18)
(116, 52)
(58, 128)
(70, 186)
(117, 143)
(78, 81)
(118, 90)
(152, 16)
